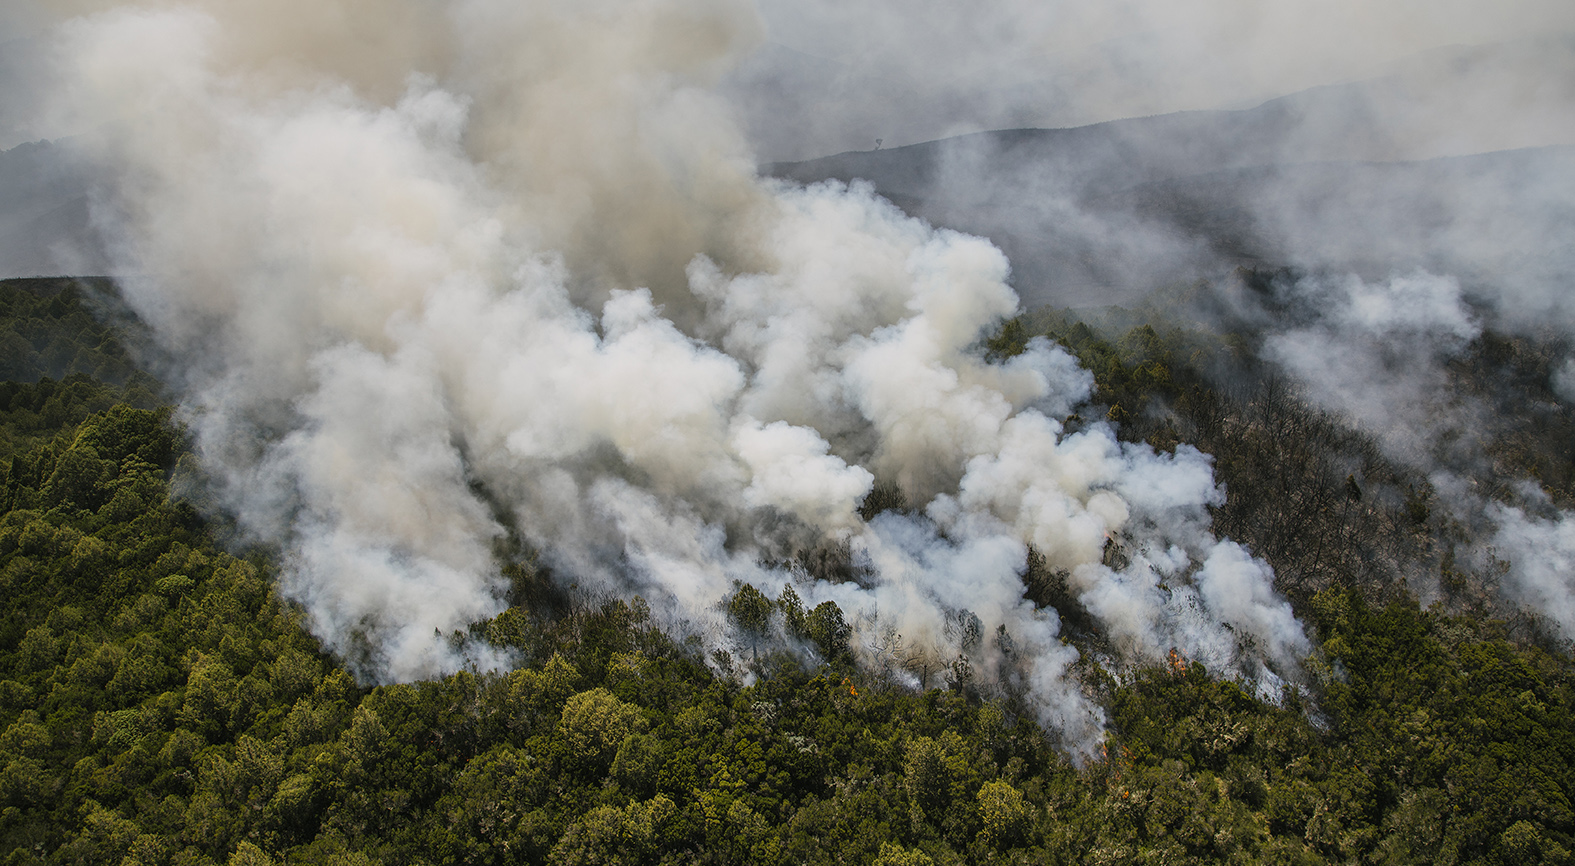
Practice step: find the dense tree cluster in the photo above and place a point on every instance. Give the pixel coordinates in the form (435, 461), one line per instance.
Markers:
(57, 326)
(160, 704)
(67, 333)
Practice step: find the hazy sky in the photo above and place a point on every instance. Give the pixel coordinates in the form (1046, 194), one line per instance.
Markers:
(831, 75)
(837, 75)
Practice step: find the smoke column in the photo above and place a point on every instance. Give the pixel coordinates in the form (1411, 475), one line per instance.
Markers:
(418, 264)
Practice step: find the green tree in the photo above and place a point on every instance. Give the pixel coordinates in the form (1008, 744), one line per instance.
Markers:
(750, 610)
(1002, 812)
(594, 724)
(829, 631)
(610, 835)
(792, 608)
(896, 855)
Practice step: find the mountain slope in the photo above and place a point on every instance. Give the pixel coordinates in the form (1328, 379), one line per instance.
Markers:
(1356, 177)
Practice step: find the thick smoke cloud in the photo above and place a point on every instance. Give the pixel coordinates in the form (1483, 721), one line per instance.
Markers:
(1540, 554)
(510, 269)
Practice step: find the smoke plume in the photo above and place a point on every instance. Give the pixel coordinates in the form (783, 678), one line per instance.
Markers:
(509, 268)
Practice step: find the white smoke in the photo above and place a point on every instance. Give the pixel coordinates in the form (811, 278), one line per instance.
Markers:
(1564, 380)
(1374, 353)
(1540, 555)
(539, 281)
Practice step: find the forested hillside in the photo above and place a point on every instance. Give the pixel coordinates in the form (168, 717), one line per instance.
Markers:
(1320, 499)
(160, 704)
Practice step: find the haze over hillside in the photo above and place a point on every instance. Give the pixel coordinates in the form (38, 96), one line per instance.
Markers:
(1368, 176)
(837, 77)
(46, 227)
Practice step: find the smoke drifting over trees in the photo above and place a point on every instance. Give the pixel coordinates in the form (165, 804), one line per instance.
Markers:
(436, 280)
(511, 272)
(1420, 200)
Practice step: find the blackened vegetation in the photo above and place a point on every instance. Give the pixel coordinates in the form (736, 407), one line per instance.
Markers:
(161, 704)
(829, 559)
(1314, 496)
(884, 496)
(1532, 427)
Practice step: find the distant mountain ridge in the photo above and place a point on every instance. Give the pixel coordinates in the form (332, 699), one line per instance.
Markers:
(1363, 176)
(46, 228)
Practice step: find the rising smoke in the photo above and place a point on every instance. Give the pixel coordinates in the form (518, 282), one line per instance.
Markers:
(512, 262)
(1425, 181)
